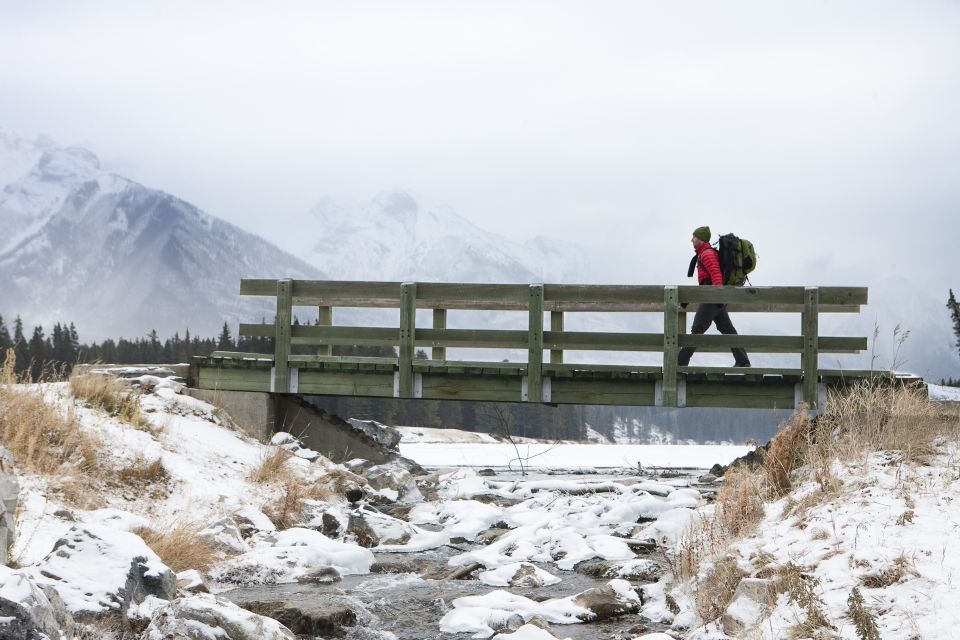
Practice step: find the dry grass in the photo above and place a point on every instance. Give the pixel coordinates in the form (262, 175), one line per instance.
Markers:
(179, 547)
(716, 590)
(42, 439)
(111, 395)
(273, 466)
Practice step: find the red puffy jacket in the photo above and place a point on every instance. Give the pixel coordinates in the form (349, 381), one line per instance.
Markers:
(708, 265)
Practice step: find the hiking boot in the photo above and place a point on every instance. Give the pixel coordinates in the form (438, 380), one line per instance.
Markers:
(745, 365)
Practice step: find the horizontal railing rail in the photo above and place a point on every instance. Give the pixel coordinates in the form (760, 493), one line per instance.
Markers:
(539, 301)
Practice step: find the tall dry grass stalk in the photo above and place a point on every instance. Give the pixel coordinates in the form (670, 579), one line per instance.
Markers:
(111, 395)
(41, 438)
(179, 546)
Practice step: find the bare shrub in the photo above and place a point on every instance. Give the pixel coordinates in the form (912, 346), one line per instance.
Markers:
(179, 546)
(111, 395)
(864, 621)
(141, 475)
(715, 591)
(288, 510)
(785, 453)
(801, 587)
(739, 503)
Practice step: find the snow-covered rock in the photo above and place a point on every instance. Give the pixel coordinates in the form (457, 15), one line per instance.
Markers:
(224, 535)
(393, 482)
(204, 616)
(751, 602)
(28, 611)
(9, 497)
(520, 574)
(290, 555)
(192, 580)
(97, 570)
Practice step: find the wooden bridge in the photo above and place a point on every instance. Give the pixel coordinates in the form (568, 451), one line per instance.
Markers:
(550, 380)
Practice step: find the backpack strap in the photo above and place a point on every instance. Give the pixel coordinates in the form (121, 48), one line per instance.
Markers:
(693, 265)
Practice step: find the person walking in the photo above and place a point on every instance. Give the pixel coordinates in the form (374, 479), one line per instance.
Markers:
(708, 274)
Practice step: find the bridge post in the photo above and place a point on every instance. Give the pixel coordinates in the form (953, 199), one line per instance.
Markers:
(810, 321)
(671, 344)
(556, 325)
(325, 320)
(281, 352)
(408, 318)
(439, 322)
(535, 351)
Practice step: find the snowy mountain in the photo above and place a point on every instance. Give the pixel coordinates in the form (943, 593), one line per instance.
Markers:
(118, 258)
(395, 237)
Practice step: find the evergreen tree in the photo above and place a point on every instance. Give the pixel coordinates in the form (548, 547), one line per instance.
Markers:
(20, 347)
(5, 341)
(225, 341)
(38, 353)
(954, 308)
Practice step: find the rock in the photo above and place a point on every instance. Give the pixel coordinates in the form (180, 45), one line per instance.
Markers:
(320, 575)
(615, 598)
(393, 482)
(139, 616)
(685, 620)
(353, 494)
(393, 564)
(510, 623)
(386, 437)
(750, 604)
(371, 529)
(250, 520)
(64, 514)
(358, 465)
(707, 478)
(520, 574)
(486, 473)
(224, 535)
(99, 571)
(191, 580)
(458, 573)
(207, 616)
(528, 631)
(281, 438)
(9, 496)
(491, 535)
(330, 525)
(29, 611)
(302, 611)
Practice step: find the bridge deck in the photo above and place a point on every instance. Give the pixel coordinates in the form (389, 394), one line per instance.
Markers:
(537, 380)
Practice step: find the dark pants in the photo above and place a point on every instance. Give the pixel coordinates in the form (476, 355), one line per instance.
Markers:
(706, 315)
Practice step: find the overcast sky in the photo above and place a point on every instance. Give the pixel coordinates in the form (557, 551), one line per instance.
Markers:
(827, 132)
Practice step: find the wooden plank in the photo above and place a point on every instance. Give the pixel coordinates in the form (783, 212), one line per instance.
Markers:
(439, 352)
(809, 358)
(556, 326)
(466, 387)
(442, 365)
(632, 393)
(309, 359)
(763, 371)
(771, 344)
(281, 372)
(670, 344)
(325, 319)
(489, 297)
(535, 345)
(770, 295)
(408, 317)
(552, 369)
(473, 338)
(234, 379)
(240, 355)
(602, 341)
(341, 383)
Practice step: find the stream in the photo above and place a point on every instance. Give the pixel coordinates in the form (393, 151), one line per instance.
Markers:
(396, 601)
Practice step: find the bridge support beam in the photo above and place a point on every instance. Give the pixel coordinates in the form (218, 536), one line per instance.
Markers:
(535, 351)
(408, 319)
(810, 354)
(671, 344)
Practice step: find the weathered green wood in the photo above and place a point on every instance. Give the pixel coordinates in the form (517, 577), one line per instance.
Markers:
(234, 379)
(470, 387)
(810, 358)
(325, 319)
(473, 338)
(550, 369)
(557, 297)
(771, 344)
(281, 372)
(670, 344)
(535, 345)
(241, 355)
(444, 365)
(556, 326)
(763, 371)
(597, 341)
(439, 352)
(408, 317)
(566, 391)
(341, 383)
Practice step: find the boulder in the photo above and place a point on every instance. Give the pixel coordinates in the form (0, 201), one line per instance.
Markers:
(29, 611)
(99, 571)
(616, 598)
(224, 535)
(206, 616)
(393, 482)
(751, 603)
(370, 529)
(191, 580)
(528, 631)
(305, 612)
(251, 520)
(320, 575)
(520, 574)
(9, 495)
(381, 434)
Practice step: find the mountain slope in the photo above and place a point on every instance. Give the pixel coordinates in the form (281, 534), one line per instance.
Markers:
(118, 258)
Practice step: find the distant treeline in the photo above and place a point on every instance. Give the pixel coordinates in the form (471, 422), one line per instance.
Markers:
(43, 356)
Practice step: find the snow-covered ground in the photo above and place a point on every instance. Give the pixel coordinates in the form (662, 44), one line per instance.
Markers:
(452, 447)
(892, 529)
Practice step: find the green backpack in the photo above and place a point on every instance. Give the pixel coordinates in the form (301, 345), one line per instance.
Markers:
(738, 259)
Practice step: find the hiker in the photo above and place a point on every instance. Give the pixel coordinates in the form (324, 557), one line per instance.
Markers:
(708, 273)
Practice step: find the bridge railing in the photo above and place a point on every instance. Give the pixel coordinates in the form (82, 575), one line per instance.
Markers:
(538, 300)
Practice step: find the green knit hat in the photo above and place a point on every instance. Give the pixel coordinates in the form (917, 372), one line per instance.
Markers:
(703, 233)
